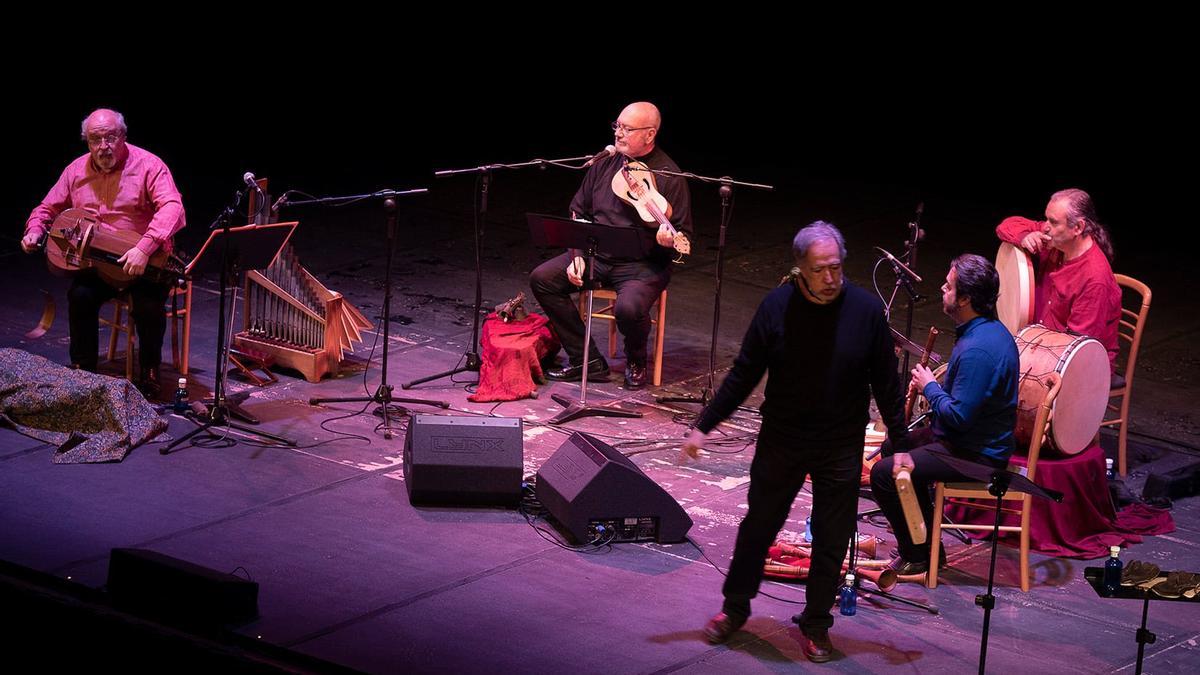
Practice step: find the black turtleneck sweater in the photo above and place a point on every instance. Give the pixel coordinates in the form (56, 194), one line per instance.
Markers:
(824, 361)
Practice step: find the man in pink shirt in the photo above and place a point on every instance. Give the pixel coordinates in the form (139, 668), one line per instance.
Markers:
(1076, 290)
(128, 189)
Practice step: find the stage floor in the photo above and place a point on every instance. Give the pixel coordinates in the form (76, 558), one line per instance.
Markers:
(352, 574)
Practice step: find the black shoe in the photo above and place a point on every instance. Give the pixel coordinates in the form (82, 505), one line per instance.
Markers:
(721, 627)
(819, 648)
(904, 567)
(597, 370)
(635, 375)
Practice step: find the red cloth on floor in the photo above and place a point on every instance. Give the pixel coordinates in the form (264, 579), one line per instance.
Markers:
(1085, 524)
(512, 355)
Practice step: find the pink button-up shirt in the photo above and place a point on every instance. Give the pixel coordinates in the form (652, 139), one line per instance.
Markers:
(139, 194)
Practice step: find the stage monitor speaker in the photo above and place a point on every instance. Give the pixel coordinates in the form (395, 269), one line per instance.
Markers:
(152, 584)
(599, 495)
(469, 461)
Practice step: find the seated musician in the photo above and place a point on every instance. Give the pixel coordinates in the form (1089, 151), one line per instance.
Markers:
(637, 281)
(127, 188)
(1076, 291)
(974, 414)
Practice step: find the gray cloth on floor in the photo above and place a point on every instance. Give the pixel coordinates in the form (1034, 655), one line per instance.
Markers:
(88, 417)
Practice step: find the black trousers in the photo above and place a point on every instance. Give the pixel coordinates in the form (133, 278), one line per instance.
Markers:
(928, 469)
(89, 292)
(638, 285)
(777, 473)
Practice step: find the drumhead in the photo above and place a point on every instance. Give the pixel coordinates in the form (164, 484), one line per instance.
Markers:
(1015, 303)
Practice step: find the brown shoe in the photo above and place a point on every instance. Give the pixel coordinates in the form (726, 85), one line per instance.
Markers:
(819, 648)
(720, 627)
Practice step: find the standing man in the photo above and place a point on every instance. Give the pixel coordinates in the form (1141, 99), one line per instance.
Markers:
(127, 188)
(637, 281)
(826, 346)
(974, 415)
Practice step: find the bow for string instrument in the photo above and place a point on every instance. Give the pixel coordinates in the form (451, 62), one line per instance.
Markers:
(640, 192)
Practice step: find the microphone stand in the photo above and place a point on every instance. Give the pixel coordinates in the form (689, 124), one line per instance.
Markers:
(915, 234)
(479, 209)
(725, 191)
(383, 394)
(221, 410)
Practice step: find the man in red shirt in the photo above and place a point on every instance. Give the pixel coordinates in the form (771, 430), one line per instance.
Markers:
(1076, 290)
(127, 188)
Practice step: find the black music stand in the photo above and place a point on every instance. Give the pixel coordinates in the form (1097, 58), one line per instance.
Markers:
(999, 481)
(621, 242)
(231, 250)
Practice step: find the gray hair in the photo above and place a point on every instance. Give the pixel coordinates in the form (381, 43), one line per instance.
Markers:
(812, 233)
(119, 116)
(1081, 210)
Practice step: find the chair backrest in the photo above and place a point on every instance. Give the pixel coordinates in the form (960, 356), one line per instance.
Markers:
(1132, 322)
(1041, 423)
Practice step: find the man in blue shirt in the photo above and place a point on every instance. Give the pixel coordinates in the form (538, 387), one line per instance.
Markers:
(974, 415)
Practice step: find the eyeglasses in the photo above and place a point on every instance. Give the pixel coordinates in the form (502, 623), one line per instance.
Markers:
(617, 126)
(97, 141)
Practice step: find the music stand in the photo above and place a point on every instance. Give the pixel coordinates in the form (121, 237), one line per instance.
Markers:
(230, 250)
(619, 242)
(999, 481)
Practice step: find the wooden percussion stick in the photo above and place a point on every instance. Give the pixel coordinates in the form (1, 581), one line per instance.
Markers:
(912, 510)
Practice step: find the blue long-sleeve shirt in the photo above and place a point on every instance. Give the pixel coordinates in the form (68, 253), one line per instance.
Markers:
(976, 412)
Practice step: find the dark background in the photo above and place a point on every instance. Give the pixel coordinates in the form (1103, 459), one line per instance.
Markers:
(974, 142)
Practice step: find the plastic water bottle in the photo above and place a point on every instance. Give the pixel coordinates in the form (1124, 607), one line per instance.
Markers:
(808, 529)
(1112, 571)
(1108, 468)
(181, 399)
(848, 597)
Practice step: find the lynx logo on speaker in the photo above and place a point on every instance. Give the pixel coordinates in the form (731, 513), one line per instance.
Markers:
(587, 485)
(469, 461)
(466, 444)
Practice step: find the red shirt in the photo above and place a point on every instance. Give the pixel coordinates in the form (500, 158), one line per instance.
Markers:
(139, 194)
(1079, 295)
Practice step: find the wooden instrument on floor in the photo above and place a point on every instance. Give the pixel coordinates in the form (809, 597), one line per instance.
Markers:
(78, 241)
(884, 579)
(296, 320)
(1015, 305)
(912, 510)
(635, 184)
(911, 398)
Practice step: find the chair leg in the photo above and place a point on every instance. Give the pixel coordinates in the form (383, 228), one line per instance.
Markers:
(187, 330)
(935, 541)
(1026, 506)
(129, 346)
(114, 330)
(1123, 435)
(612, 338)
(660, 331)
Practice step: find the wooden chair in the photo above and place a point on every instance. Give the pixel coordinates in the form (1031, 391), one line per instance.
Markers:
(180, 319)
(961, 492)
(604, 305)
(1129, 330)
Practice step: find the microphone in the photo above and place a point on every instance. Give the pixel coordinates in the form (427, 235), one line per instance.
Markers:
(899, 266)
(281, 202)
(608, 151)
(251, 182)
